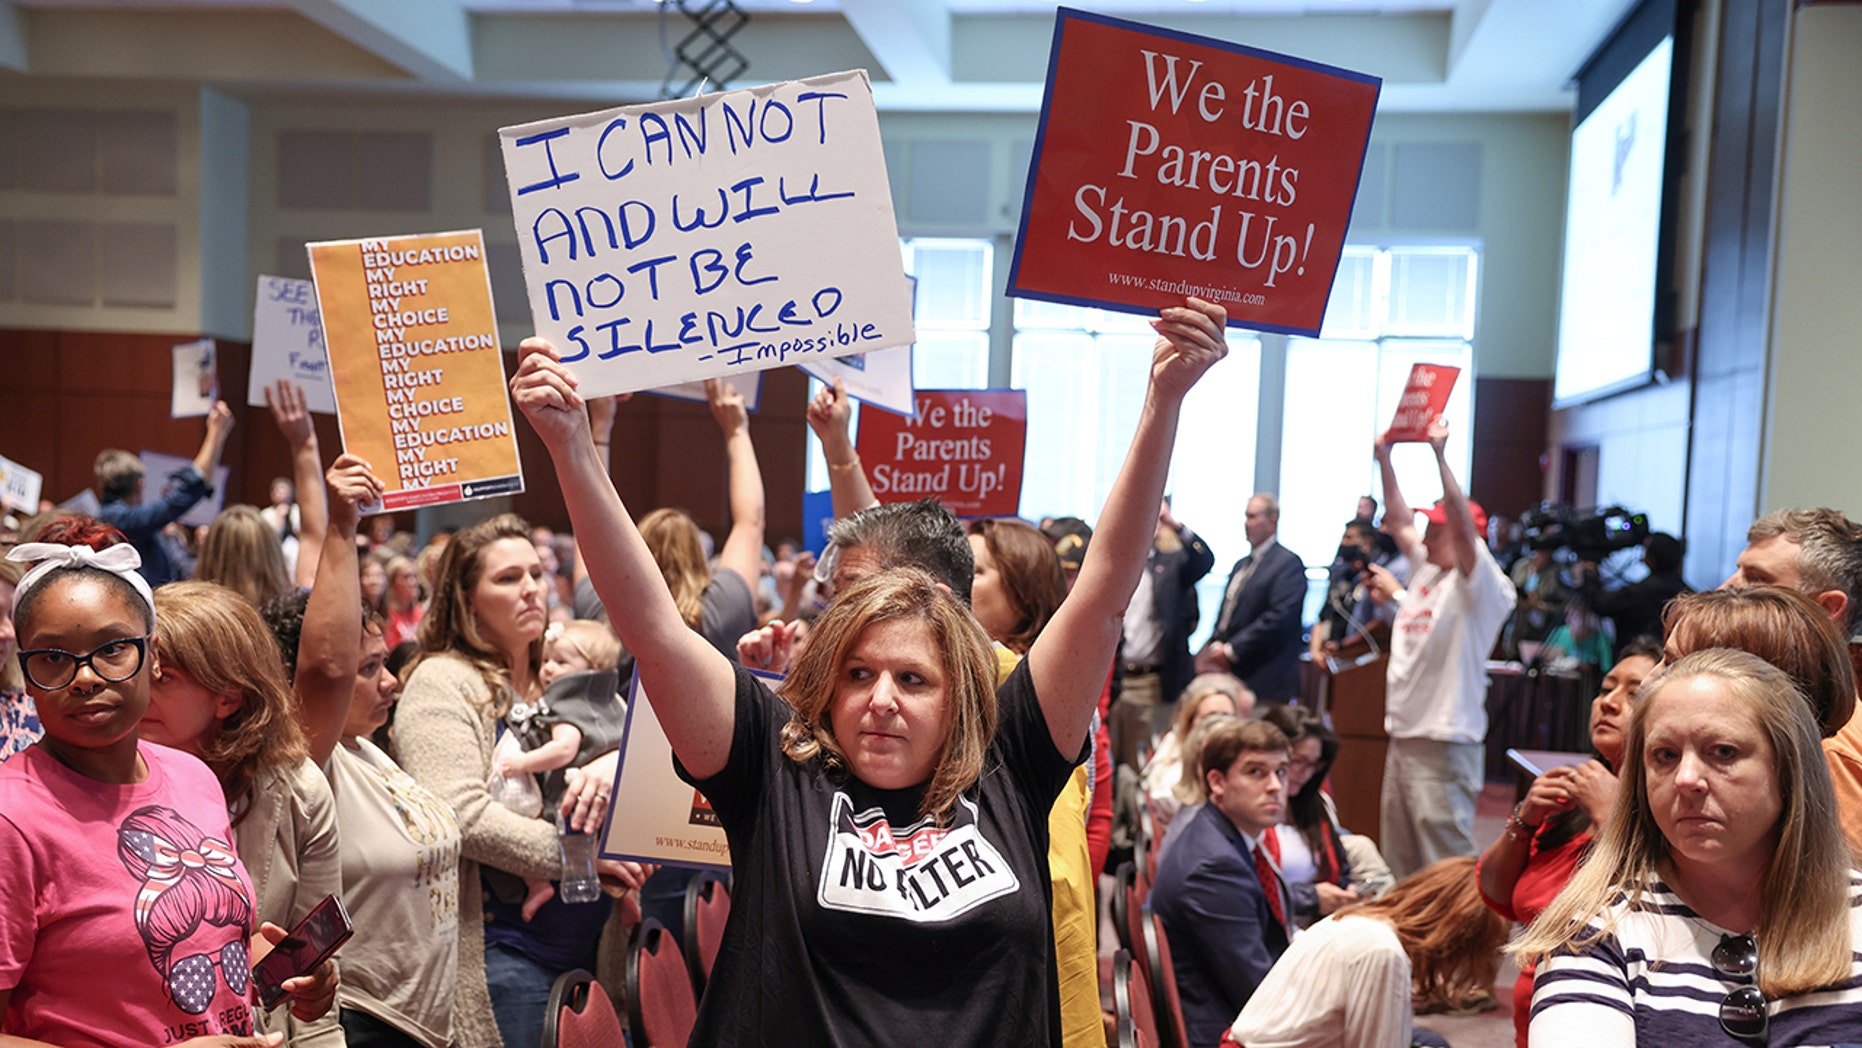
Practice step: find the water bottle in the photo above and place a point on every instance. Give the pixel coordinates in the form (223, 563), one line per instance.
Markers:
(579, 883)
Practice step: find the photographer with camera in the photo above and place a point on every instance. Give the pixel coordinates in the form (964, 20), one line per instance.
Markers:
(1636, 609)
(1435, 708)
(1351, 619)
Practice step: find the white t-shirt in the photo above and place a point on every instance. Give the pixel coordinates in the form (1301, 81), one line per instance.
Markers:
(1343, 983)
(1438, 650)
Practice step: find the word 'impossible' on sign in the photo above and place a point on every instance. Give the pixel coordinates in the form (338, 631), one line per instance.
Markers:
(1170, 165)
(730, 232)
(413, 347)
(963, 447)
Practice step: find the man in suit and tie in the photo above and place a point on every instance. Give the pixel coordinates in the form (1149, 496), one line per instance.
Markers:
(1156, 642)
(1218, 891)
(1257, 635)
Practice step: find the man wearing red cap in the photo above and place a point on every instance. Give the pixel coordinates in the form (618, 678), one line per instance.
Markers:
(1435, 708)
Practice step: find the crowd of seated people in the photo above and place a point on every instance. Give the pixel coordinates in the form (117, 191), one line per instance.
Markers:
(197, 746)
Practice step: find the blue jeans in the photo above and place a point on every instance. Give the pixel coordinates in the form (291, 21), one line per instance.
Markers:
(520, 995)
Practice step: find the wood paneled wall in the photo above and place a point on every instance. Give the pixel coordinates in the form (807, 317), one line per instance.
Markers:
(70, 394)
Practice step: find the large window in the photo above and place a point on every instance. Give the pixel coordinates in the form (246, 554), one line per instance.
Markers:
(1391, 308)
(1085, 371)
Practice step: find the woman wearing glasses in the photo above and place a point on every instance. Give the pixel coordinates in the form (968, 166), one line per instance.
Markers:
(1719, 904)
(124, 911)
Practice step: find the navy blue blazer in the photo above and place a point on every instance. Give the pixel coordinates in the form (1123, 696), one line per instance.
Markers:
(1223, 938)
(1264, 627)
(1174, 577)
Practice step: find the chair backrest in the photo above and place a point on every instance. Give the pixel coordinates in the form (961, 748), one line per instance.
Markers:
(1131, 998)
(1148, 844)
(1121, 903)
(661, 1008)
(707, 908)
(1164, 984)
(580, 1015)
(1136, 917)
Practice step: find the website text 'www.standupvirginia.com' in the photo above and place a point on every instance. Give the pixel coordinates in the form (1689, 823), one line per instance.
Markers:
(1224, 296)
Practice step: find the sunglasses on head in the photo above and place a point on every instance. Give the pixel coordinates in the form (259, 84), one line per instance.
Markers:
(1742, 1012)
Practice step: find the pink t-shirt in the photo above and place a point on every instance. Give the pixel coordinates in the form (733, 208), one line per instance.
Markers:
(124, 911)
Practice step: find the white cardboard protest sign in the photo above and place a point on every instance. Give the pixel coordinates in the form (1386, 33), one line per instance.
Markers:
(19, 486)
(707, 236)
(157, 468)
(883, 380)
(664, 820)
(197, 379)
(287, 342)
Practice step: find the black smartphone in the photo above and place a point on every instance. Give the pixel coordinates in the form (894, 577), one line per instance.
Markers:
(322, 931)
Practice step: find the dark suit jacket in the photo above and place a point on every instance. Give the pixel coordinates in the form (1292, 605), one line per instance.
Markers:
(1223, 938)
(1173, 601)
(1264, 628)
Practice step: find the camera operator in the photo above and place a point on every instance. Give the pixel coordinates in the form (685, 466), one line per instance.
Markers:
(1539, 579)
(1351, 619)
(1636, 609)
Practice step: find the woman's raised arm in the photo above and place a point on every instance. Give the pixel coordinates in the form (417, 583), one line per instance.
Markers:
(692, 687)
(1071, 658)
(329, 646)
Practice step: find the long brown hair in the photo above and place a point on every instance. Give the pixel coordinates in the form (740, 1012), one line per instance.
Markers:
(1032, 577)
(450, 628)
(672, 537)
(242, 553)
(968, 664)
(1803, 932)
(1779, 625)
(217, 637)
(1452, 937)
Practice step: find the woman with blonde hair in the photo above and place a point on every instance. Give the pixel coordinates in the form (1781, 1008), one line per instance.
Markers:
(862, 868)
(220, 693)
(242, 553)
(1355, 979)
(1720, 900)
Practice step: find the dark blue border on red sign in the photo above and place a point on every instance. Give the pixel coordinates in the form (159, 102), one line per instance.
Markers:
(1061, 17)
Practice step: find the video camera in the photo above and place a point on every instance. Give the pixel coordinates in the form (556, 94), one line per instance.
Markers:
(1590, 535)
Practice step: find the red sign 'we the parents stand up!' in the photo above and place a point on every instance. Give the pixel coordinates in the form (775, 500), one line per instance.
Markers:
(964, 448)
(1169, 164)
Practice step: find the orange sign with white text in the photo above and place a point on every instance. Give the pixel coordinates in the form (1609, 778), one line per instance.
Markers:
(414, 358)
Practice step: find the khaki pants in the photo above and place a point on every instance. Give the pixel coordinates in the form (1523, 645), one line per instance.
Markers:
(1135, 715)
(1430, 788)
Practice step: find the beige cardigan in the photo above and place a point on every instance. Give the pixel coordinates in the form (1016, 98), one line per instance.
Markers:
(443, 737)
(288, 845)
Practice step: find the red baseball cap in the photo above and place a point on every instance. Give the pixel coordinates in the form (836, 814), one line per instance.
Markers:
(1438, 514)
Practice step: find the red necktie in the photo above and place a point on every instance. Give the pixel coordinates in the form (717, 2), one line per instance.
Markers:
(1270, 884)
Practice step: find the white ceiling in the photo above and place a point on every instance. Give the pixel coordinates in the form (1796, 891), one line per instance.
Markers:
(925, 55)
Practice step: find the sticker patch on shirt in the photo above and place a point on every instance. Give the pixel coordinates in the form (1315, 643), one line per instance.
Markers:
(922, 873)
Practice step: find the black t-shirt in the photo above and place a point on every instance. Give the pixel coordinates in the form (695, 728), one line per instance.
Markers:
(855, 921)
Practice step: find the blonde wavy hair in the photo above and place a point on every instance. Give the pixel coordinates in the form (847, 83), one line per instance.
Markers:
(966, 659)
(242, 552)
(218, 638)
(1803, 933)
(672, 537)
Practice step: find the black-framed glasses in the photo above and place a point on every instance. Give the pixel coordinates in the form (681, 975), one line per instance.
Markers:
(114, 661)
(1742, 1012)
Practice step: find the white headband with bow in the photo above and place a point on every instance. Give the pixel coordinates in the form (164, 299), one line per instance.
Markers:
(120, 560)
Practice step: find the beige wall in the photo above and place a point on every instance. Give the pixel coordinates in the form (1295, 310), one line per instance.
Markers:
(1816, 358)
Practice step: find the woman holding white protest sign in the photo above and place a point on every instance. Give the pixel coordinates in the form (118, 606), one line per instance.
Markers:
(887, 824)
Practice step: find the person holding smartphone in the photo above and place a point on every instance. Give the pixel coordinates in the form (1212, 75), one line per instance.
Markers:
(125, 913)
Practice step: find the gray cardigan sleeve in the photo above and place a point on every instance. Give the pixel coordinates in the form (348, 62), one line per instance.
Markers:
(443, 736)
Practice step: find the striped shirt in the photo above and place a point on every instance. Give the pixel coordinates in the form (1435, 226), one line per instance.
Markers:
(1651, 981)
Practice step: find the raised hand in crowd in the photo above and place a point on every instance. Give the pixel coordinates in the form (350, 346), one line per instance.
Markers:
(770, 647)
(286, 401)
(830, 415)
(330, 646)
